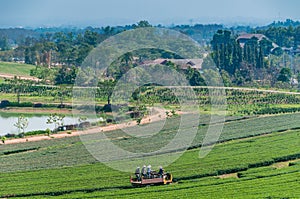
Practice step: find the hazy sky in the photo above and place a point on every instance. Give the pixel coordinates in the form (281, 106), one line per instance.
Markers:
(120, 12)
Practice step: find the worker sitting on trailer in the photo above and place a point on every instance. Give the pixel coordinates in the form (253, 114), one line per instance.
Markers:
(144, 171)
(161, 171)
(149, 171)
(137, 173)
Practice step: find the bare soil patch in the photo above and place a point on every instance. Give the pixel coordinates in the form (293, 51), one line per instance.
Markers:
(280, 165)
(230, 175)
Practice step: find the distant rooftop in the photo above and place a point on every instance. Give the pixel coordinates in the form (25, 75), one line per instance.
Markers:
(249, 36)
(243, 38)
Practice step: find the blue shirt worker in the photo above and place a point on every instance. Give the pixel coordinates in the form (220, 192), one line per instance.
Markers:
(149, 171)
(144, 171)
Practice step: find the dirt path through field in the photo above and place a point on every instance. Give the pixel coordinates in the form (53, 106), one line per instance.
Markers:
(159, 114)
(10, 76)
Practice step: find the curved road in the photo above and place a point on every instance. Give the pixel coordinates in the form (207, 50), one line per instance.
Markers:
(160, 115)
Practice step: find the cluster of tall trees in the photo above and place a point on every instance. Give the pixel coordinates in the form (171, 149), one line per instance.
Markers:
(247, 62)
(62, 48)
(199, 32)
(230, 56)
(4, 45)
(227, 53)
(283, 36)
(63, 51)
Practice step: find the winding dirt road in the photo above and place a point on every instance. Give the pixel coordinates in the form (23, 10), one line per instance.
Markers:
(159, 115)
(10, 76)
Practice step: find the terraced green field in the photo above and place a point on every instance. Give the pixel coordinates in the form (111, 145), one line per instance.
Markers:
(63, 167)
(283, 183)
(71, 151)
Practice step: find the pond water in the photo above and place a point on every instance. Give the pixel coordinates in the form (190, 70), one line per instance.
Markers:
(35, 122)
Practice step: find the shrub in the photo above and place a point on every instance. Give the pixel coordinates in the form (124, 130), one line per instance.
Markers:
(20, 150)
(10, 135)
(48, 131)
(4, 103)
(109, 120)
(38, 105)
(23, 104)
(38, 132)
(61, 106)
(3, 138)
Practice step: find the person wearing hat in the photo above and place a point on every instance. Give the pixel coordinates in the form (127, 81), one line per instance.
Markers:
(149, 171)
(144, 171)
(161, 171)
(137, 173)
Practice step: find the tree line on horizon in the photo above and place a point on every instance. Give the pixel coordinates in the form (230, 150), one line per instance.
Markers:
(65, 50)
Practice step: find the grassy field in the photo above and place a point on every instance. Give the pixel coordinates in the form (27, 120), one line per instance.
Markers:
(64, 168)
(281, 183)
(29, 97)
(15, 68)
(194, 176)
(246, 155)
(71, 151)
(2, 80)
(269, 183)
(238, 102)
